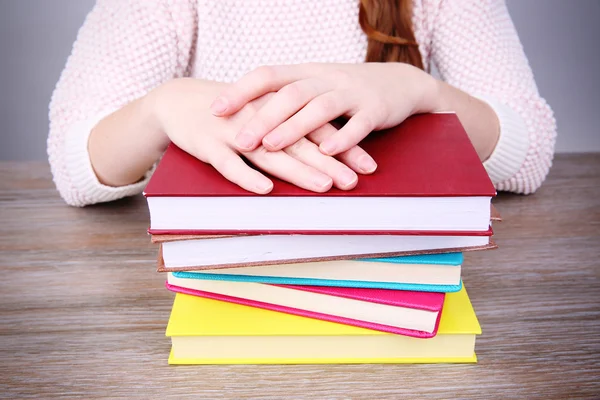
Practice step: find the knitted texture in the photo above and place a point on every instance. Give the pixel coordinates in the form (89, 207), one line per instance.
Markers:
(125, 48)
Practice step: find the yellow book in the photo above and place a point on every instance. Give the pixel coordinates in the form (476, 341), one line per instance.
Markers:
(206, 331)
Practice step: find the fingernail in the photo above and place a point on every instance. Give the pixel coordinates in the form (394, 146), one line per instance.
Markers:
(327, 147)
(366, 163)
(245, 140)
(347, 178)
(322, 181)
(219, 106)
(272, 140)
(264, 186)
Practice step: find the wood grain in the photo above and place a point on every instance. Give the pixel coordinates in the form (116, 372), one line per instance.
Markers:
(83, 310)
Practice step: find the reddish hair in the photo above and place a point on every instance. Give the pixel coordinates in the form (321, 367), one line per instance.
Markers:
(388, 26)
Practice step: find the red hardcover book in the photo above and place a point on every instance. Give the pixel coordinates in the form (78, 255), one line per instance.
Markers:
(401, 312)
(429, 179)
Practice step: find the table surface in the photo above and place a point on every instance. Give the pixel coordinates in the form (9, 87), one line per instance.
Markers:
(84, 311)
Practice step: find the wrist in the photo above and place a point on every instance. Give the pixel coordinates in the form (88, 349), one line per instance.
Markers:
(151, 109)
(429, 91)
(439, 101)
(478, 118)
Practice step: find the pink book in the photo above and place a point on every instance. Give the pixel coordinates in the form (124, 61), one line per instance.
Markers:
(400, 312)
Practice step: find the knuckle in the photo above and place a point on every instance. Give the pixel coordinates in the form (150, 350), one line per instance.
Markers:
(379, 110)
(293, 91)
(253, 107)
(366, 122)
(298, 148)
(341, 77)
(265, 73)
(227, 165)
(327, 105)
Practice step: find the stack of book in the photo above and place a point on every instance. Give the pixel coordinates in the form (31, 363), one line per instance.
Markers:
(370, 275)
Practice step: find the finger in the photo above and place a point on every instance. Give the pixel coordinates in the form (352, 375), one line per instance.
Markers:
(281, 106)
(355, 158)
(315, 114)
(233, 168)
(359, 160)
(257, 83)
(355, 130)
(285, 167)
(308, 153)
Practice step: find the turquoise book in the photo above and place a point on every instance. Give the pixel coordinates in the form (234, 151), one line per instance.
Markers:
(422, 273)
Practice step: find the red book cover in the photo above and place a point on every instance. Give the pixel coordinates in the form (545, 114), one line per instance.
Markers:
(428, 155)
(418, 300)
(430, 301)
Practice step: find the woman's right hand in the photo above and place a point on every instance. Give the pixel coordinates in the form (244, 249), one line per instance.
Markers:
(181, 110)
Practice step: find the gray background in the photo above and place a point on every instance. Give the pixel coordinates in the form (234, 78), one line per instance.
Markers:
(560, 39)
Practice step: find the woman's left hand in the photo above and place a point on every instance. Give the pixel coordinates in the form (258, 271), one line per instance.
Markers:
(373, 96)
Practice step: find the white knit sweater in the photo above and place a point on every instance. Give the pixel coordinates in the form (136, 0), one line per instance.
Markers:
(126, 47)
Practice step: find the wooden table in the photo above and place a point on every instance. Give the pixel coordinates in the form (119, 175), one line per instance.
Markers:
(84, 313)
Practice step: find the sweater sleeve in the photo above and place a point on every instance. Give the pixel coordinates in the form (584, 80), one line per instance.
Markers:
(476, 48)
(123, 50)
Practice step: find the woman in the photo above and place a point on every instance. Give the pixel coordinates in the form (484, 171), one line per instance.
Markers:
(264, 80)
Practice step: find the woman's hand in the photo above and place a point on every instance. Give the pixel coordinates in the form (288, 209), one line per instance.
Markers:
(373, 95)
(181, 109)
